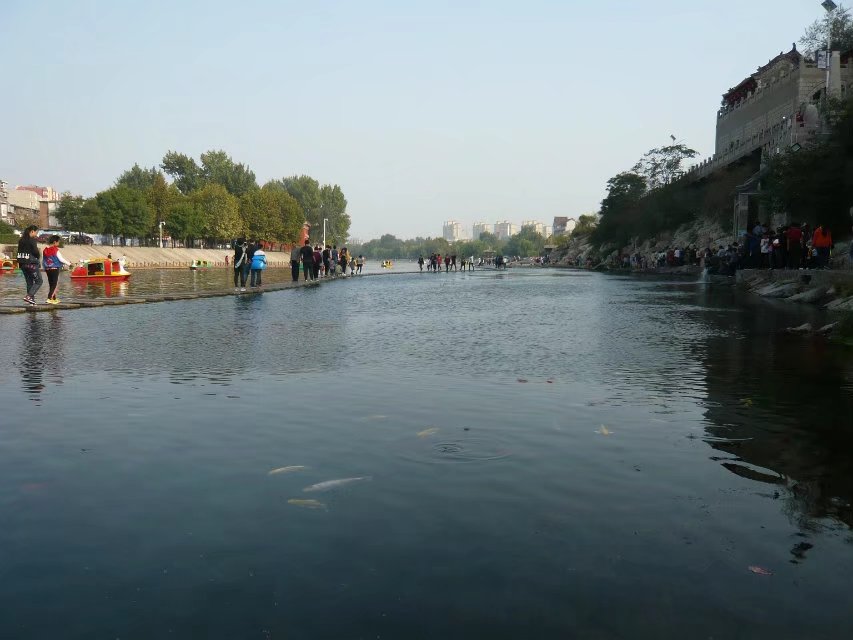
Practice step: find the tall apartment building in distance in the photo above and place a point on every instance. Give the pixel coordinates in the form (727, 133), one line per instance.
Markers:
(504, 230)
(452, 231)
(480, 228)
(563, 225)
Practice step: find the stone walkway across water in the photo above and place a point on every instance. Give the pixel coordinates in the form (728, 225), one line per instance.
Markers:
(85, 303)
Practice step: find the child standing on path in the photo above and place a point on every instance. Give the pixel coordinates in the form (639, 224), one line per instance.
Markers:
(28, 261)
(53, 261)
(259, 263)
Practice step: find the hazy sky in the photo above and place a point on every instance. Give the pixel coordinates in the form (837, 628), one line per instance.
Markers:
(421, 111)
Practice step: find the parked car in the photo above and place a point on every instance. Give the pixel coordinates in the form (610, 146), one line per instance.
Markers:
(80, 238)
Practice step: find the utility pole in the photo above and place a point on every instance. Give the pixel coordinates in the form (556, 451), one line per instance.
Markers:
(830, 7)
(325, 220)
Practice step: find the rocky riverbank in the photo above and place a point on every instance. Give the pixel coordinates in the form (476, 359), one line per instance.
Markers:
(831, 290)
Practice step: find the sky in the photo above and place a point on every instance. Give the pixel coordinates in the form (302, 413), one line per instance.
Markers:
(421, 111)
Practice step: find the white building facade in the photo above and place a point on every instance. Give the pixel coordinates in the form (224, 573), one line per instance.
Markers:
(504, 230)
(452, 231)
(480, 228)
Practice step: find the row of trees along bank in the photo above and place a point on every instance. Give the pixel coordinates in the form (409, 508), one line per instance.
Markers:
(206, 203)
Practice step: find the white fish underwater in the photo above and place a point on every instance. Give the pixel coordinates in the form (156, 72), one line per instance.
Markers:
(308, 504)
(333, 484)
(428, 432)
(287, 469)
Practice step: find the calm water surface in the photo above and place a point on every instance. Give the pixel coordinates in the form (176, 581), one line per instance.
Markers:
(545, 454)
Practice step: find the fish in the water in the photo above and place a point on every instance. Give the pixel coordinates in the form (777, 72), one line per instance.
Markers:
(333, 484)
(428, 432)
(308, 504)
(297, 467)
(604, 431)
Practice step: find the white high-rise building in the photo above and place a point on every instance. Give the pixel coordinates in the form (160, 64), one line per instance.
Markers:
(452, 231)
(504, 230)
(481, 228)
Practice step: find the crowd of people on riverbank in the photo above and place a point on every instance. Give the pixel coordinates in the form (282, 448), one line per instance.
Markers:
(323, 262)
(790, 246)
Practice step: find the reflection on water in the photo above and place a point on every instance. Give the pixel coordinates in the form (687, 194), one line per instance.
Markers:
(40, 360)
(552, 454)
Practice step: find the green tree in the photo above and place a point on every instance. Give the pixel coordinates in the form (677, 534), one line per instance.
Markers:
(220, 212)
(333, 207)
(185, 173)
(137, 178)
(526, 243)
(586, 225)
(838, 24)
(69, 212)
(126, 213)
(217, 167)
(306, 191)
(663, 165)
(160, 196)
(260, 215)
(185, 222)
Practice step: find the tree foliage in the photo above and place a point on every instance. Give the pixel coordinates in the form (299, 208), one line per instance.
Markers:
(217, 167)
(661, 166)
(838, 24)
(183, 170)
(138, 178)
(125, 212)
(815, 184)
(219, 211)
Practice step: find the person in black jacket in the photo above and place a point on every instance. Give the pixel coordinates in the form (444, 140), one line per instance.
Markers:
(241, 264)
(28, 261)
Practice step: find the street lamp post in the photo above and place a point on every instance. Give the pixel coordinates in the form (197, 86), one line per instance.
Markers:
(160, 226)
(830, 6)
(325, 220)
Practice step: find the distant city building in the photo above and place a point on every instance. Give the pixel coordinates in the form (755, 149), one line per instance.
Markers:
(480, 228)
(452, 231)
(43, 193)
(563, 225)
(4, 201)
(504, 230)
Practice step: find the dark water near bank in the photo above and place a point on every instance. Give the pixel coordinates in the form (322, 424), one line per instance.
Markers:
(549, 454)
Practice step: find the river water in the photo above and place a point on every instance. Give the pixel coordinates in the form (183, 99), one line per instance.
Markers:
(543, 454)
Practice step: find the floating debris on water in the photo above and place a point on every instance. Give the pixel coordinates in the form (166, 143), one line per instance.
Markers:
(746, 402)
(428, 432)
(522, 380)
(334, 484)
(604, 431)
(307, 504)
(290, 469)
(761, 571)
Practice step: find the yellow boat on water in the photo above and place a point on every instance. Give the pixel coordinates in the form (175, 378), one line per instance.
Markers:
(387, 264)
(8, 265)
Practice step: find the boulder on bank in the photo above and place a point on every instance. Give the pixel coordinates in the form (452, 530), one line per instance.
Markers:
(778, 290)
(809, 296)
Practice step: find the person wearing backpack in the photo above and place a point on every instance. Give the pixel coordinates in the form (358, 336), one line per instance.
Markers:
(259, 263)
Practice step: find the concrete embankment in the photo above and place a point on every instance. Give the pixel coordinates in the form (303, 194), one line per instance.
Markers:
(144, 257)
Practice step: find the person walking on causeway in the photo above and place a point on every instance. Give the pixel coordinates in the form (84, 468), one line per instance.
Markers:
(307, 255)
(241, 264)
(28, 262)
(53, 261)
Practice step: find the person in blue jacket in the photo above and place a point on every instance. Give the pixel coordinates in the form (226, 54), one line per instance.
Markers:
(259, 263)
